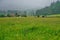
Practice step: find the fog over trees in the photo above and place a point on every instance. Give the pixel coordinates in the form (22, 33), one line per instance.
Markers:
(31, 9)
(24, 4)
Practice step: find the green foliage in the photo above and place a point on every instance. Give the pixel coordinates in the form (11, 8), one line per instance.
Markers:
(2, 15)
(23, 15)
(17, 15)
(8, 15)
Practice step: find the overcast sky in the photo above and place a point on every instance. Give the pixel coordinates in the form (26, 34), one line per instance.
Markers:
(23, 4)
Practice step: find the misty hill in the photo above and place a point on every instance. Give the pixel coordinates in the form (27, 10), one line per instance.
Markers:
(54, 8)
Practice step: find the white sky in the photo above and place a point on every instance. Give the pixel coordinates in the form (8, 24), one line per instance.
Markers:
(23, 4)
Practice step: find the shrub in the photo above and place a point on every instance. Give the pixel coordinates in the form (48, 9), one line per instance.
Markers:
(2, 15)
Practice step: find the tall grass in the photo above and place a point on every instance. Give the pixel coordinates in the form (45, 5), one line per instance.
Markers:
(29, 28)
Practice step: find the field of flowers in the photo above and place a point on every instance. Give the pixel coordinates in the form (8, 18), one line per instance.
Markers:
(29, 28)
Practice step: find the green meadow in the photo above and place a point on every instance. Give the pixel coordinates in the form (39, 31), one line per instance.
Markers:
(29, 28)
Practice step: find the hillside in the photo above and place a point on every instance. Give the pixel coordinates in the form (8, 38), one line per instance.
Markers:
(54, 8)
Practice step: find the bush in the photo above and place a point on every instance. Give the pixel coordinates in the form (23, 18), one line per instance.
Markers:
(2, 15)
(8, 15)
(23, 15)
(37, 15)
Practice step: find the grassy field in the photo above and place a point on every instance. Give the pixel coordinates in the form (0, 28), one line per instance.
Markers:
(29, 28)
